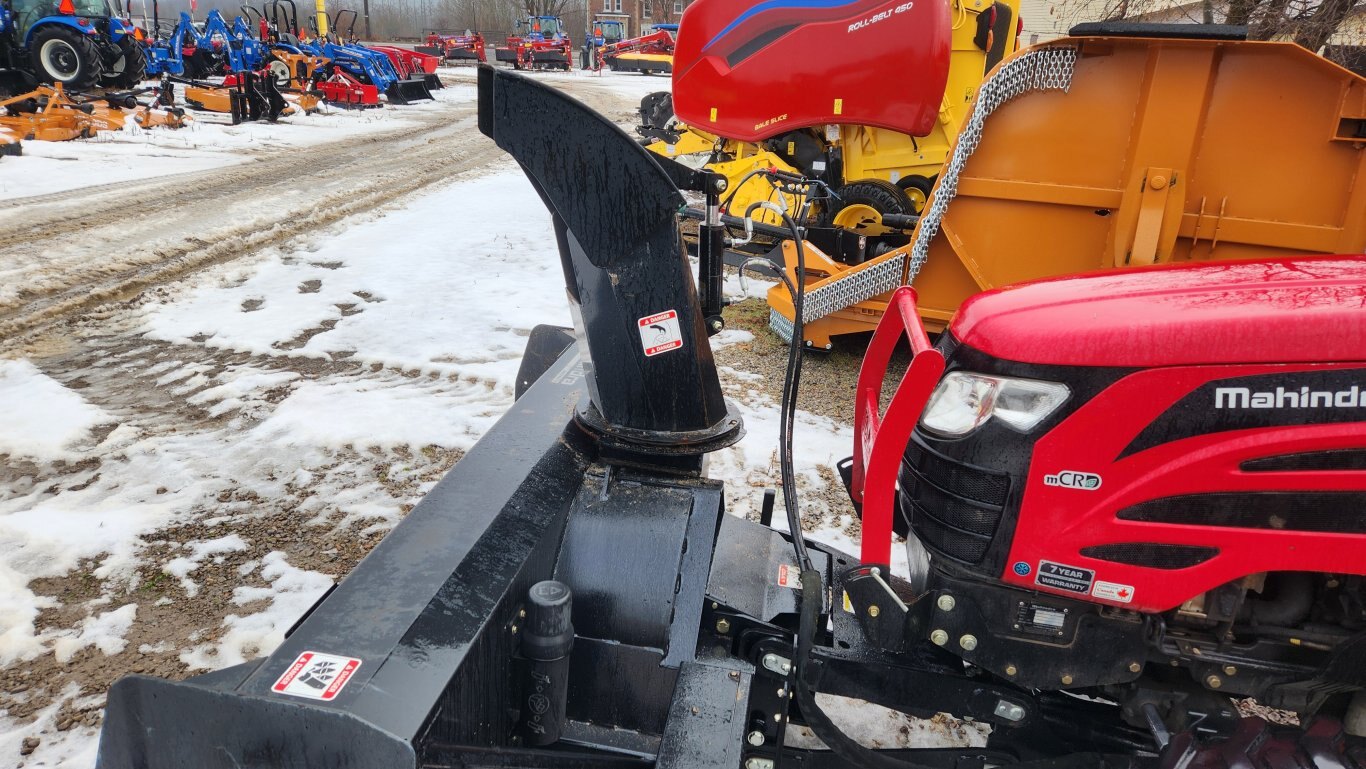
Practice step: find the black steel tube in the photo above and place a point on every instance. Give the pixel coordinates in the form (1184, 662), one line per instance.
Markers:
(711, 250)
(546, 642)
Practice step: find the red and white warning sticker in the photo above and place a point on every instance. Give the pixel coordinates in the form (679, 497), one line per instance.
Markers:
(788, 576)
(660, 333)
(1113, 591)
(316, 676)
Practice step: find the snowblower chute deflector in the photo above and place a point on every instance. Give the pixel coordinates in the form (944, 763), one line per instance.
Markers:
(446, 646)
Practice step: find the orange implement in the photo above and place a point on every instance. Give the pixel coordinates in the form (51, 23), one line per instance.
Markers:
(1135, 152)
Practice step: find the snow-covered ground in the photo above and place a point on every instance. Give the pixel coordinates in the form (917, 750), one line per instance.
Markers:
(244, 435)
(210, 141)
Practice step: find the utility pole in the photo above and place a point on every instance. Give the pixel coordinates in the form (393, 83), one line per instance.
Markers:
(368, 37)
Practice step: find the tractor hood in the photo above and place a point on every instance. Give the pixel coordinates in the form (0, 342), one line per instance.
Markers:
(1229, 312)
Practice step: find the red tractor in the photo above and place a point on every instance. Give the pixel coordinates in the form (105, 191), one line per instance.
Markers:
(540, 42)
(467, 47)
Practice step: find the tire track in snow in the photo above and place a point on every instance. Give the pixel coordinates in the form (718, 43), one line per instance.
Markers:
(74, 251)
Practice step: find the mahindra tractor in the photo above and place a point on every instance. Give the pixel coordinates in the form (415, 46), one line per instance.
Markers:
(1134, 505)
(78, 43)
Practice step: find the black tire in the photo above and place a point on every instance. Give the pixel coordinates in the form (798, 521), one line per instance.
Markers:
(917, 189)
(129, 69)
(61, 54)
(885, 197)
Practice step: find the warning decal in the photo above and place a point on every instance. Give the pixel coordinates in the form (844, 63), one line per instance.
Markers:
(316, 676)
(1060, 577)
(788, 577)
(660, 333)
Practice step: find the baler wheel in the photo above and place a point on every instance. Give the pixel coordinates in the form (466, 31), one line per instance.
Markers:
(862, 203)
(917, 189)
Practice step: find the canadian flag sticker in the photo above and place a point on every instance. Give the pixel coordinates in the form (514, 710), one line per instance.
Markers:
(1113, 591)
(660, 333)
(316, 676)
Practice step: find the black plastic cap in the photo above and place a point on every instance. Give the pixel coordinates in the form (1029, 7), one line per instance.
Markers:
(549, 632)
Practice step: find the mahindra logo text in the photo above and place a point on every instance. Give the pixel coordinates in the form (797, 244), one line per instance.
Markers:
(1281, 398)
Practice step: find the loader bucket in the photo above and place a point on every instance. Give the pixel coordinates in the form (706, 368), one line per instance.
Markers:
(433, 81)
(408, 91)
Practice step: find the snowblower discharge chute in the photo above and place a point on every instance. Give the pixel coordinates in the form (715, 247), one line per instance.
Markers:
(573, 593)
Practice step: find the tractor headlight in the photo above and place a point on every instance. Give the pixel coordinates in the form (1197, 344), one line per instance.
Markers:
(964, 401)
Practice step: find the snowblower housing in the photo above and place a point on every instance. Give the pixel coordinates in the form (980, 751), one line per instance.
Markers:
(751, 71)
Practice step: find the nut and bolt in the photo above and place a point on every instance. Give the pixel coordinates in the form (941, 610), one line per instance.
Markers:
(968, 642)
(1066, 679)
(1214, 682)
(1011, 670)
(1134, 667)
(946, 603)
(759, 763)
(777, 664)
(723, 626)
(777, 718)
(939, 637)
(755, 738)
(1230, 670)
(873, 610)
(734, 675)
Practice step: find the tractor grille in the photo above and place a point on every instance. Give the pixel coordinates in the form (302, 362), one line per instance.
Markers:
(953, 508)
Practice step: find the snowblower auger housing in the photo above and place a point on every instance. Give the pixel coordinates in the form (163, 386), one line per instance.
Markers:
(572, 594)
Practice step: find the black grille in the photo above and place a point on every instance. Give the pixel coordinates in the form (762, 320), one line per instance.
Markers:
(953, 508)
(1154, 555)
(954, 544)
(1342, 512)
(949, 510)
(960, 480)
(1341, 459)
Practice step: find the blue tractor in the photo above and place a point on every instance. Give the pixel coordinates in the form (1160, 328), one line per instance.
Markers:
(608, 31)
(81, 44)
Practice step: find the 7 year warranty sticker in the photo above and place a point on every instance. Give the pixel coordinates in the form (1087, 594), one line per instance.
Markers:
(660, 333)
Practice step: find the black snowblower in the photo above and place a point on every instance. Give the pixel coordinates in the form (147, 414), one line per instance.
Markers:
(574, 595)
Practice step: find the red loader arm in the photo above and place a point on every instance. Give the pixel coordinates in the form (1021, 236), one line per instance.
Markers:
(880, 438)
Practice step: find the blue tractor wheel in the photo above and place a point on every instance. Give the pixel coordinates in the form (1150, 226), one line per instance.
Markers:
(61, 54)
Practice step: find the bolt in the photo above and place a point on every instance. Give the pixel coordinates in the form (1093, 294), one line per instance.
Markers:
(873, 610)
(696, 710)
(1214, 682)
(514, 630)
(715, 325)
(1157, 182)
(735, 675)
(968, 642)
(1066, 679)
(1134, 667)
(521, 613)
(777, 718)
(1230, 670)
(939, 637)
(1011, 670)
(755, 738)
(759, 763)
(782, 692)
(723, 626)
(946, 602)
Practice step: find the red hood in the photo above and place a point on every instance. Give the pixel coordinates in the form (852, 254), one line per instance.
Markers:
(1311, 309)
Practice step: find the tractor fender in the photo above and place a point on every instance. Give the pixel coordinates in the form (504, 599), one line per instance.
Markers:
(118, 28)
(82, 25)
